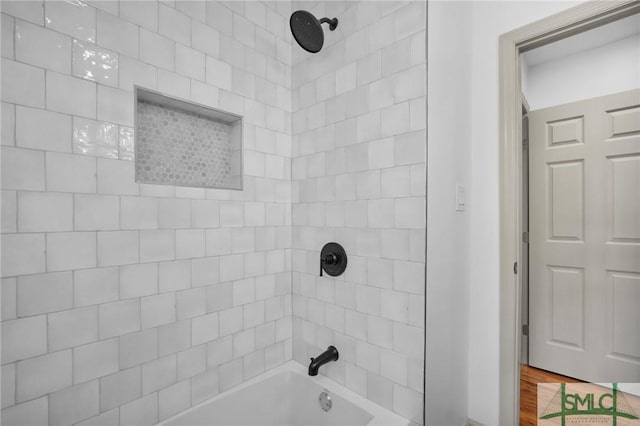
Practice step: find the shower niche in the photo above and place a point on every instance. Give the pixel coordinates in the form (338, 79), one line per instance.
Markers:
(181, 143)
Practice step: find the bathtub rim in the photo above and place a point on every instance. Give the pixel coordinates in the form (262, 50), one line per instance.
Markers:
(381, 415)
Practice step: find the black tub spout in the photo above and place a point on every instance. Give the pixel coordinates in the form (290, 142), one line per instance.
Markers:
(331, 354)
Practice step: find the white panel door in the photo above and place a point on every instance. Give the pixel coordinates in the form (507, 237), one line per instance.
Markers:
(584, 224)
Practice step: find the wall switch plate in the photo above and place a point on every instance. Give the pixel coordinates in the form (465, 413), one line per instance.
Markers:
(460, 198)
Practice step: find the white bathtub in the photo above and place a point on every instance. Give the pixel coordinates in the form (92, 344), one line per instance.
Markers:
(286, 395)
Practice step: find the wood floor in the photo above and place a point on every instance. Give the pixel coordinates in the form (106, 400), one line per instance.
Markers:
(529, 379)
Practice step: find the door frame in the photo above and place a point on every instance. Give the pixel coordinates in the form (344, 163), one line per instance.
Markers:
(553, 28)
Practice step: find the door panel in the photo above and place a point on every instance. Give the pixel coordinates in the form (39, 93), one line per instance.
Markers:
(584, 224)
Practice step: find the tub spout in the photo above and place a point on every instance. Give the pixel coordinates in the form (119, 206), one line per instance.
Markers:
(331, 354)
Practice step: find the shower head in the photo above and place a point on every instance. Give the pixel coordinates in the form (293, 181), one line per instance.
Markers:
(307, 30)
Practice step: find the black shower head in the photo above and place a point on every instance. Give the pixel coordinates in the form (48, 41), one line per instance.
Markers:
(307, 30)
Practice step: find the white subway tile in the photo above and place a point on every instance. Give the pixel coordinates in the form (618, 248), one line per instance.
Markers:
(22, 84)
(411, 148)
(158, 310)
(205, 271)
(174, 213)
(95, 138)
(45, 212)
(218, 73)
(71, 95)
(138, 280)
(190, 303)
(355, 378)
(219, 16)
(394, 305)
(157, 245)
(174, 84)
(408, 340)
(192, 362)
(8, 112)
(29, 11)
(368, 300)
(231, 268)
(34, 412)
(119, 318)
(174, 399)
(119, 388)
(418, 113)
(71, 250)
(204, 94)
(74, 18)
(143, 411)
(409, 19)
(409, 277)
(204, 328)
(219, 297)
(96, 212)
(117, 248)
(104, 5)
(117, 34)
(393, 366)
(190, 62)
(95, 64)
(44, 293)
(396, 182)
(70, 173)
(115, 105)
(190, 243)
(22, 169)
(204, 386)
(205, 214)
(8, 39)
(242, 240)
(159, 374)
(174, 276)
(95, 360)
(8, 298)
(108, 418)
(141, 13)
(138, 213)
(15, 347)
(73, 404)
(133, 72)
(410, 213)
(38, 46)
(9, 216)
(94, 286)
(156, 49)
(174, 24)
(204, 38)
(41, 375)
(8, 377)
(380, 390)
(174, 337)
(116, 177)
(381, 153)
(138, 348)
(407, 403)
(230, 374)
(230, 322)
(396, 57)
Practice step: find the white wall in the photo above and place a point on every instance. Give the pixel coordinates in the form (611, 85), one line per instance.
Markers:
(604, 70)
(489, 20)
(449, 159)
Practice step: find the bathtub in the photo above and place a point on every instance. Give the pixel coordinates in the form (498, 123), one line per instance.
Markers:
(286, 395)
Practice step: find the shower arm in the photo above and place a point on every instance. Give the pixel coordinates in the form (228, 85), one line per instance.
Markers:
(333, 23)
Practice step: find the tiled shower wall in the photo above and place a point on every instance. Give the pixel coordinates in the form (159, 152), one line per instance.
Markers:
(358, 176)
(124, 303)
